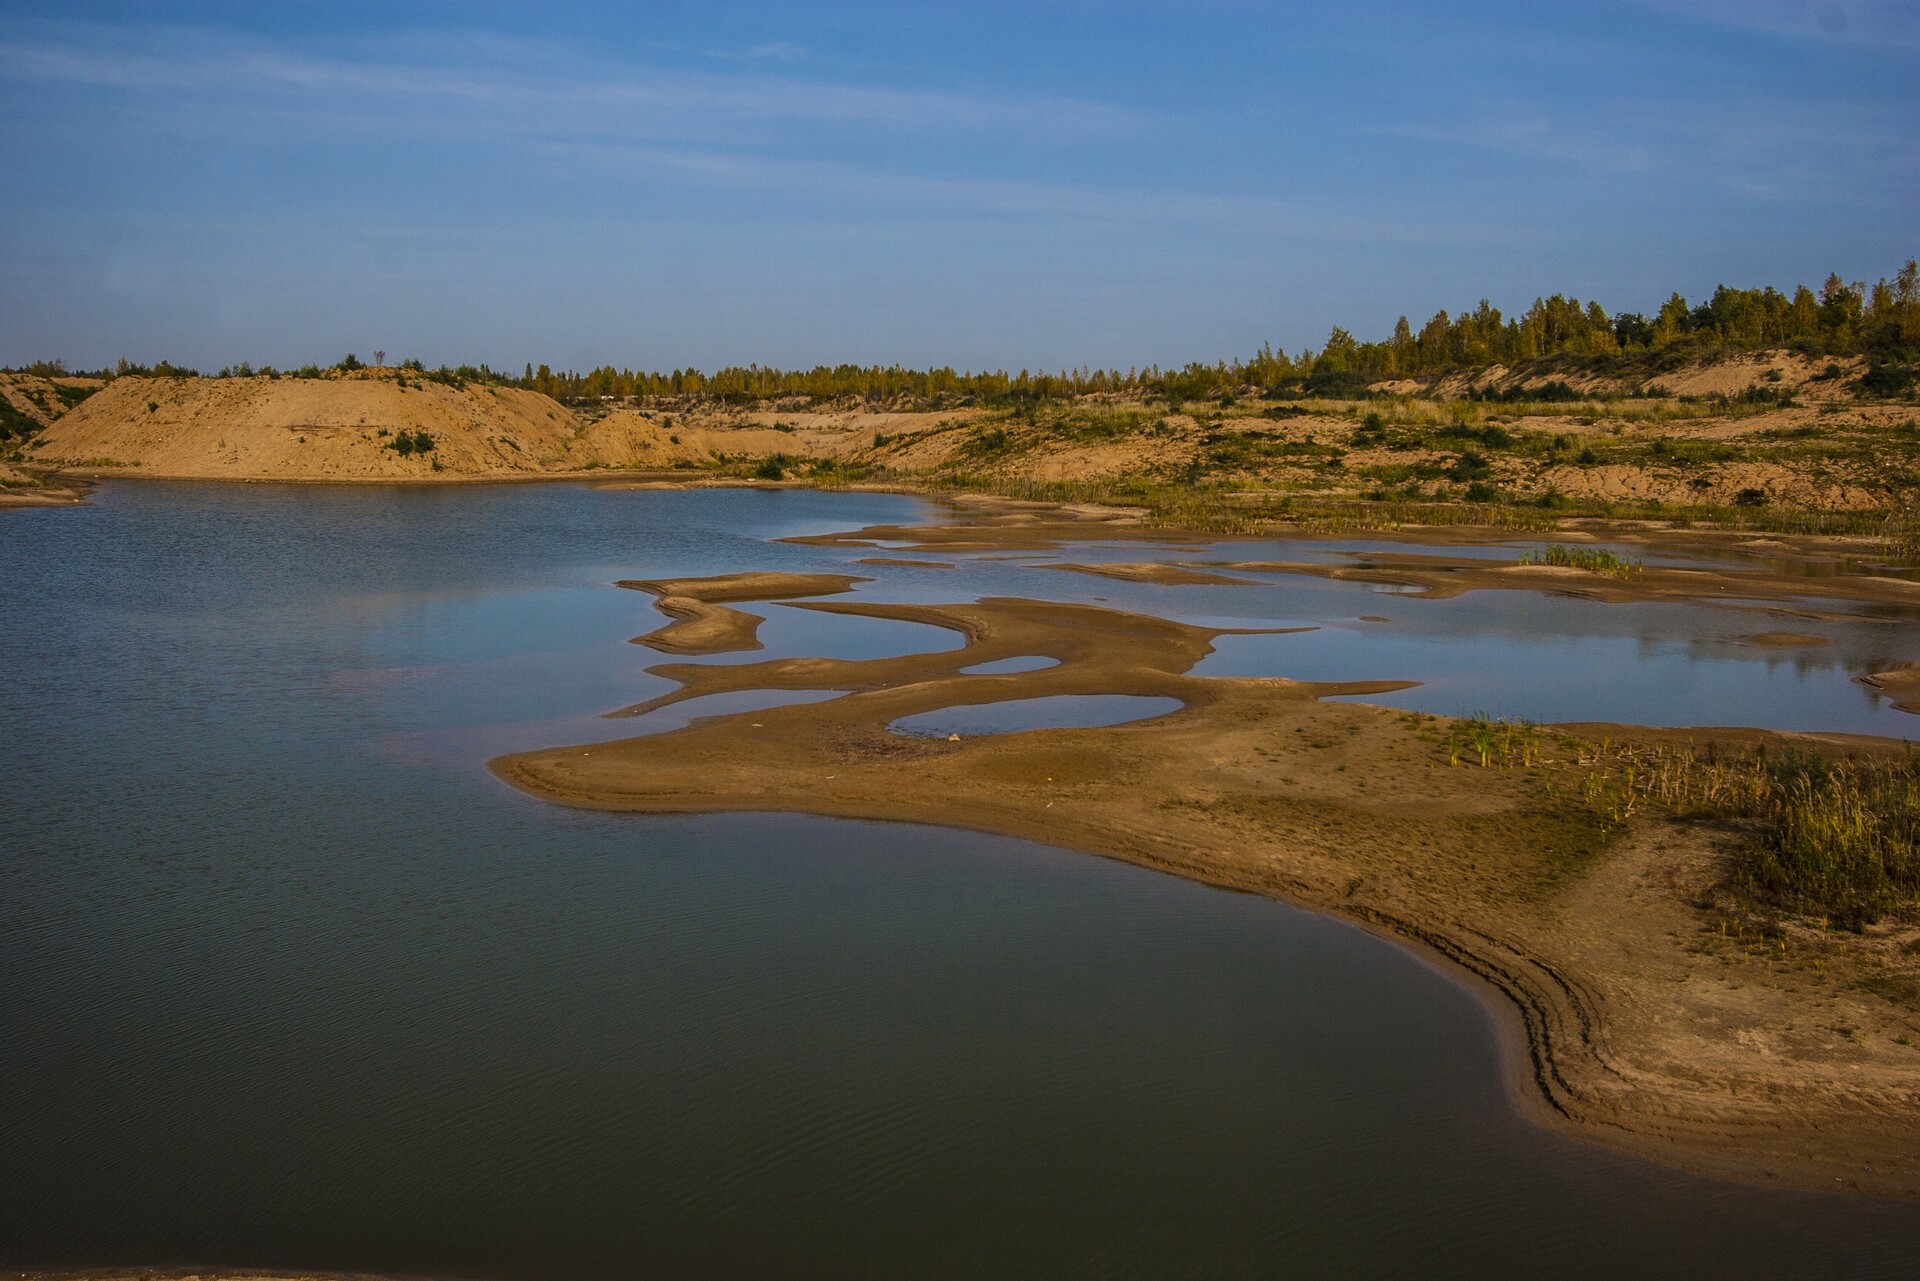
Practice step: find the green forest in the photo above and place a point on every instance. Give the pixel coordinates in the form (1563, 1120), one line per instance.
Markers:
(1881, 321)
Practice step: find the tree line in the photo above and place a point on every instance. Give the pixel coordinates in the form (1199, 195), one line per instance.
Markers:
(1881, 320)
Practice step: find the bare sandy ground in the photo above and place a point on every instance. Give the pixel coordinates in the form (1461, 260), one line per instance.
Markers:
(1827, 450)
(1901, 684)
(342, 428)
(1635, 1024)
(33, 489)
(703, 626)
(1725, 376)
(1164, 575)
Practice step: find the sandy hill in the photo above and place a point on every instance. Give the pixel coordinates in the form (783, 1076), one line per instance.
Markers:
(1730, 375)
(29, 402)
(343, 427)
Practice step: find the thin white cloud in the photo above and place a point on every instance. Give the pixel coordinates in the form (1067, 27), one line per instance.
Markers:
(771, 51)
(202, 64)
(1759, 148)
(1277, 218)
(1878, 22)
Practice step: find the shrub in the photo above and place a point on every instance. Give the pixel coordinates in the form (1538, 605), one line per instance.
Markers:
(410, 442)
(773, 468)
(1493, 435)
(988, 443)
(1886, 378)
(1470, 466)
(1336, 384)
(14, 423)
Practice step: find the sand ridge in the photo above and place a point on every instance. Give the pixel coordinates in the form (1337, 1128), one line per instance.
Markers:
(1901, 684)
(703, 626)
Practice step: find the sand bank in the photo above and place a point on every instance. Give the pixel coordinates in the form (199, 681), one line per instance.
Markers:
(702, 626)
(1901, 684)
(1164, 575)
(1633, 1025)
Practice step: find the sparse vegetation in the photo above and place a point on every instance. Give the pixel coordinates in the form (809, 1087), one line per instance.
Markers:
(1835, 840)
(1595, 560)
(405, 442)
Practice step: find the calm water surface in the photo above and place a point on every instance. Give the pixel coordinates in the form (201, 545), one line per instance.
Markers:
(287, 980)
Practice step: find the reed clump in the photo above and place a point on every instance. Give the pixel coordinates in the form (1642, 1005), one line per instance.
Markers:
(1494, 742)
(1595, 560)
(1837, 840)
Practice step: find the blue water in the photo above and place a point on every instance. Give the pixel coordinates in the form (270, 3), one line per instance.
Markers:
(1011, 666)
(1055, 711)
(287, 980)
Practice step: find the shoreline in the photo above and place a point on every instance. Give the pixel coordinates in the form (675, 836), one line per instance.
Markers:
(1558, 1021)
(981, 509)
(1562, 976)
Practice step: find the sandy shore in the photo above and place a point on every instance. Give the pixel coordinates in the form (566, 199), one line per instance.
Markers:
(1901, 684)
(1632, 1024)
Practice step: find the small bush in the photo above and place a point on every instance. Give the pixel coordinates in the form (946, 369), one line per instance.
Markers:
(1886, 378)
(989, 443)
(14, 423)
(1336, 384)
(409, 442)
(1470, 466)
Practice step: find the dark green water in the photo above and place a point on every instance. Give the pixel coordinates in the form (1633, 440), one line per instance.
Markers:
(287, 980)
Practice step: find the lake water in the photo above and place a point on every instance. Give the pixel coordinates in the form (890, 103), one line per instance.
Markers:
(288, 980)
(1055, 711)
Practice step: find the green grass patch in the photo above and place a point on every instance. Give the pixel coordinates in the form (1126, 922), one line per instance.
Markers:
(1595, 560)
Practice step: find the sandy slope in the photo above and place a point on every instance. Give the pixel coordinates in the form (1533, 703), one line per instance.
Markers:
(1823, 451)
(1726, 376)
(39, 398)
(340, 428)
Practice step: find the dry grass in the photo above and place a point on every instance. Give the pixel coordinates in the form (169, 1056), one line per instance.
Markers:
(1838, 840)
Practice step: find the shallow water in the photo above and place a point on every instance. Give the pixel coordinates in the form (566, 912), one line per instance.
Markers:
(1055, 711)
(1011, 666)
(1538, 655)
(288, 980)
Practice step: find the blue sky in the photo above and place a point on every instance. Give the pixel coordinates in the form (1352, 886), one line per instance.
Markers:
(983, 185)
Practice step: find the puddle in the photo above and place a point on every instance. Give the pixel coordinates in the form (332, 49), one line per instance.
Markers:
(809, 633)
(1011, 666)
(1059, 711)
(680, 715)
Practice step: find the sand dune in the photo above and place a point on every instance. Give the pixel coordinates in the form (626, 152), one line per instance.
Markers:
(343, 427)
